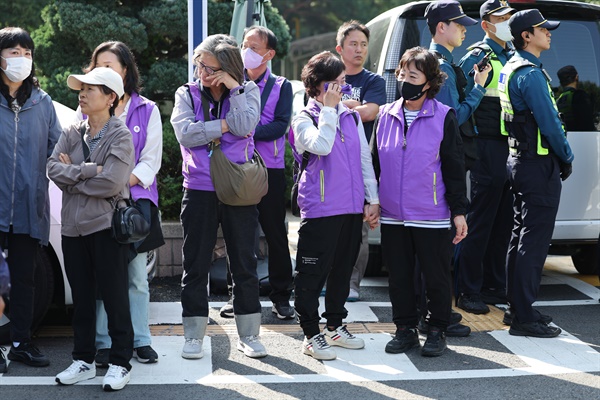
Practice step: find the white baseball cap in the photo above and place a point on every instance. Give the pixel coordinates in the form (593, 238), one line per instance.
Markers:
(98, 76)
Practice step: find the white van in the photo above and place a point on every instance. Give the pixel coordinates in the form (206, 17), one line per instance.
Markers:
(575, 42)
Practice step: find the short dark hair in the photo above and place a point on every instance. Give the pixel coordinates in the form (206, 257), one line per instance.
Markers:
(106, 90)
(265, 34)
(348, 27)
(567, 75)
(433, 27)
(320, 68)
(518, 40)
(12, 37)
(426, 62)
(225, 49)
(132, 81)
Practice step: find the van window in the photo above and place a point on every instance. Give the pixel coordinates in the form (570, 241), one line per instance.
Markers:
(377, 36)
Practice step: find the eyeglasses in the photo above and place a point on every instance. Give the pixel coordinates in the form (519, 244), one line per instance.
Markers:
(209, 70)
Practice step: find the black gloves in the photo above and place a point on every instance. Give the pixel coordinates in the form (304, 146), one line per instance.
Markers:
(566, 169)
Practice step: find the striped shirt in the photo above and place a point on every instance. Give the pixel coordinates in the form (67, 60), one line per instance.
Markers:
(409, 117)
(93, 142)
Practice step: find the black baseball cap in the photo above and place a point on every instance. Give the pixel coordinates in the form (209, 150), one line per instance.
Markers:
(447, 11)
(497, 8)
(529, 19)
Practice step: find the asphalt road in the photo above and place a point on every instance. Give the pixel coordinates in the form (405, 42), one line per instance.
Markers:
(488, 364)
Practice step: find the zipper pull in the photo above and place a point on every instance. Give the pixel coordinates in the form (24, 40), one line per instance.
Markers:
(211, 146)
(342, 136)
(403, 141)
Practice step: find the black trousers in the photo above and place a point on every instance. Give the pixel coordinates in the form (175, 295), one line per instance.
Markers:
(98, 262)
(21, 265)
(401, 246)
(201, 213)
(482, 254)
(327, 246)
(536, 186)
(271, 216)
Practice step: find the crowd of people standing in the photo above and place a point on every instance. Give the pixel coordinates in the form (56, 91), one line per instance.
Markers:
(363, 163)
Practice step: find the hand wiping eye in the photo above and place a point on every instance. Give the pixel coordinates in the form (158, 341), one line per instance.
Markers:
(346, 88)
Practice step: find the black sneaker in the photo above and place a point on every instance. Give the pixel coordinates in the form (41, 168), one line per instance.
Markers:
(509, 315)
(455, 317)
(102, 358)
(28, 354)
(227, 310)
(283, 310)
(405, 339)
(435, 345)
(145, 355)
(453, 330)
(533, 329)
(3, 367)
(472, 303)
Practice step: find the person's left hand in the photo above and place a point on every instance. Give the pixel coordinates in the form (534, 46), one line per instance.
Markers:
(64, 158)
(222, 77)
(461, 228)
(371, 215)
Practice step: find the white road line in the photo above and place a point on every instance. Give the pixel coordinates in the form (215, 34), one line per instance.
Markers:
(563, 355)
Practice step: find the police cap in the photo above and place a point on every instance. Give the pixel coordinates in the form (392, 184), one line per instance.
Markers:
(497, 8)
(526, 19)
(447, 11)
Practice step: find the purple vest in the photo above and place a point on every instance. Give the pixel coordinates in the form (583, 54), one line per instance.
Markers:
(138, 116)
(272, 151)
(411, 186)
(196, 161)
(332, 184)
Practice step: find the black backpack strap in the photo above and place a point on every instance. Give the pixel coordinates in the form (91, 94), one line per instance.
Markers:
(266, 92)
(306, 154)
(205, 107)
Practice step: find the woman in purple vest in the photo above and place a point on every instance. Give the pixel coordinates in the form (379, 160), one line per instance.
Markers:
(418, 157)
(336, 192)
(143, 120)
(233, 109)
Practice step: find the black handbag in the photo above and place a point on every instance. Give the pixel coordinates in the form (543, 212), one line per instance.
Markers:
(155, 238)
(128, 223)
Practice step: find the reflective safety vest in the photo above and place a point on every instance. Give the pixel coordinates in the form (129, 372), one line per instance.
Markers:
(521, 127)
(487, 114)
(565, 105)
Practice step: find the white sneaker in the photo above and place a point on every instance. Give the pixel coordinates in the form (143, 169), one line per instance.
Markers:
(341, 337)
(192, 349)
(116, 378)
(317, 348)
(251, 346)
(78, 371)
(353, 296)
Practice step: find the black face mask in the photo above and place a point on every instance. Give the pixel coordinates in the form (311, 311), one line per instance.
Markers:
(410, 91)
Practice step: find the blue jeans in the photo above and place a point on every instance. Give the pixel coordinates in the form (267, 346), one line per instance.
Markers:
(201, 214)
(139, 297)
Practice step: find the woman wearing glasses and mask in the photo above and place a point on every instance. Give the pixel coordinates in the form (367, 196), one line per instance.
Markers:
(29, 130)
(234, 112)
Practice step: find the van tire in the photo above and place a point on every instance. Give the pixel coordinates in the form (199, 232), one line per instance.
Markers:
(44, 291)
(586, 260)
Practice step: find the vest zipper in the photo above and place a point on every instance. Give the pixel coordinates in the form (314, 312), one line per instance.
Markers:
(322, 185)
(16, 109)
(434, 188)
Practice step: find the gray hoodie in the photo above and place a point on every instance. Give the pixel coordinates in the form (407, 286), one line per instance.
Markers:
(86, 208)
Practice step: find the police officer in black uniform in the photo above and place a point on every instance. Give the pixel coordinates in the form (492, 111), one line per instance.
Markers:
(480, 259)
(540, 157)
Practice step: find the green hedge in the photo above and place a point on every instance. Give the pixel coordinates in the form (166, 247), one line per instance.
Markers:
(170, 181)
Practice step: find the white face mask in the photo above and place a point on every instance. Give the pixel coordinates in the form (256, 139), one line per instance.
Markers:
(252, 59)
(502, 31)
(17, 68)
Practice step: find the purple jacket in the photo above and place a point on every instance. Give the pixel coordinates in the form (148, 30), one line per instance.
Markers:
(137, 119)
(332, 184)
(410, 182)
(271, 151)
(196, 161)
